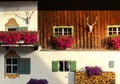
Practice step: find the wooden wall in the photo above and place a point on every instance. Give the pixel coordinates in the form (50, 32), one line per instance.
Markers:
(77, 18)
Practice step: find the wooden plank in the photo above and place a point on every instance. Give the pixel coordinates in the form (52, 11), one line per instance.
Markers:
(77, 29)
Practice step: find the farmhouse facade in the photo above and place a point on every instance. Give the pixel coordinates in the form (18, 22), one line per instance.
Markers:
(33, 54)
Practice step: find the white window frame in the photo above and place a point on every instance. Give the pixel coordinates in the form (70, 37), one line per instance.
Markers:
(11, 65)
(63, 65)
(11, 27)
(63, 27)
(115, 26)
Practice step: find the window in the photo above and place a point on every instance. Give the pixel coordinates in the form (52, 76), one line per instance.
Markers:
(12, 25)
(12, 29)
(11, 65)
(14, 65)
(63, 30)
(113, 30)
(63, 66)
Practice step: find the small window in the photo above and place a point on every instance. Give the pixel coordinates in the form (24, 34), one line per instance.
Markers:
(63, 66)
(11, 65)
(12, 29)
(113, 30)
(14, 65)
(63, 30)
(11, 25)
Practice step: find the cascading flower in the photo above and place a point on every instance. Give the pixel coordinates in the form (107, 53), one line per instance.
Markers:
(114, 42)
(63, 41)
(14, 37)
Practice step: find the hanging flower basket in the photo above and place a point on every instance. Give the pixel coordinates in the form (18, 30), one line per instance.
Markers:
(62, 42)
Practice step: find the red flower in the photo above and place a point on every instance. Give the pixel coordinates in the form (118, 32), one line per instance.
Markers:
(14, 37)
(63, 42)
(115, 42)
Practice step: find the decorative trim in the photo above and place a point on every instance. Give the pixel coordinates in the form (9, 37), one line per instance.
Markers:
(11, 24)
(10, 54)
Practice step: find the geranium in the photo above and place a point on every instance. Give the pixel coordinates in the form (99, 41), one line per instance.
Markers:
(115, 42)
(14, 37)
(93, 71)
(63, 41)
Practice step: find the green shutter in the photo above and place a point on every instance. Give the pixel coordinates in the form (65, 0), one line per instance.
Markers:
(54, 66)
(24, 66)
(73, 66)
(22, 28)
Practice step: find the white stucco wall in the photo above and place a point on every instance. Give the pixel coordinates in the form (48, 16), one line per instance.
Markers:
(41, 67)
(9, 9)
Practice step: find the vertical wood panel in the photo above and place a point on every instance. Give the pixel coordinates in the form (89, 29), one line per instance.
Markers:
(84, 39)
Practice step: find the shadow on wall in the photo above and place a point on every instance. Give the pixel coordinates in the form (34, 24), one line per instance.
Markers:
(71, 78)
(42, 70)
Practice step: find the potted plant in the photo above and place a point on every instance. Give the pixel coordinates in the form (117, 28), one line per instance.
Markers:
(62, 42)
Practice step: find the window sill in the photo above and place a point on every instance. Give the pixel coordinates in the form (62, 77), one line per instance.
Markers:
(12, 76)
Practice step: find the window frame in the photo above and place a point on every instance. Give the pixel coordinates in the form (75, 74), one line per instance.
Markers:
(12, 65)
(23, 65)
(113, 26)
(64, 66)
(56, 66)
(63, 27)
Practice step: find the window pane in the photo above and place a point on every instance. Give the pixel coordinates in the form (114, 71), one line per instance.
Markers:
(12, 29)
(8, 61)
(65, 29)
(14, 61)
(61, 66)
(14, 69)
(118, 32)
(69, 30)
(114, 29)
(66, 66)
(110, 29)
(110, 33)
(118, 28)
(8, 69)
(60, 29)
(56, 29)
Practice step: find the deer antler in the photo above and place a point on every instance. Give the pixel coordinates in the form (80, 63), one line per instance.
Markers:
(91, 26)
(27, 18)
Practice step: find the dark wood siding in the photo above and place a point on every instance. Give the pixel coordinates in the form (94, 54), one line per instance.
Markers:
(77, 18)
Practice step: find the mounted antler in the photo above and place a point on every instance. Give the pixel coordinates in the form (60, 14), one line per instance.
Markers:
(91, 26)
(27, 18)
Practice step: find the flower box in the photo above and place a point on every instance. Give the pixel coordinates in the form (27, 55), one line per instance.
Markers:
(114, 42)
(19, 38)
(62, 42)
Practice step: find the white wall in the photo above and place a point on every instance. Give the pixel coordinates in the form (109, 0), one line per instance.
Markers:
(9, 9)
(41, 67)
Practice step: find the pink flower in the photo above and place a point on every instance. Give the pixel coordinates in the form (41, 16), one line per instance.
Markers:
(115, 42)
(14, 37)
(63, 42)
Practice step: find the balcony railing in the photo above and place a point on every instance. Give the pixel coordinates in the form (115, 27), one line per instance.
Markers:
(19, 38)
